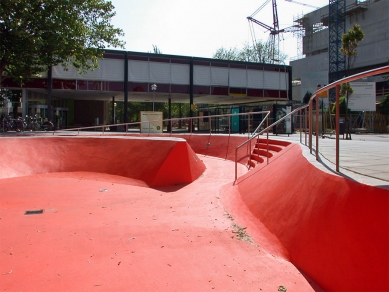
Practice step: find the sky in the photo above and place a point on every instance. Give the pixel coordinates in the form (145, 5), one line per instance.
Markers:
(198, 28)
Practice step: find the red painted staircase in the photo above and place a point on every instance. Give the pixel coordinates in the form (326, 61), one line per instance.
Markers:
(265, 149)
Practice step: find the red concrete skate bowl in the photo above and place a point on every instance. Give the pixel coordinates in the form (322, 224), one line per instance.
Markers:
(155, 161)
(334, 229)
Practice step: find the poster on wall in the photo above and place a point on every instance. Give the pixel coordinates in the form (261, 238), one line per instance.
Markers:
(235, 120)
(363, 97)
(284, 127)
(151, 122)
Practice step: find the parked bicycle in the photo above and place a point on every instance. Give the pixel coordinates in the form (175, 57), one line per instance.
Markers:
(32, 123)
(36, 123)
(9, 124)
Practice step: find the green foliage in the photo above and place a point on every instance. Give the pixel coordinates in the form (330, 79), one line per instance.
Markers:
(261, 52)
(346, 90)
(307, 97)
(342, 106)
(383, 106)
(350, 42)
(38, 34)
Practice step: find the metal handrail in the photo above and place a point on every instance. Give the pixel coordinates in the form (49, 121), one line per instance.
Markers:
(256, 135)
(260, 124)
(191, 119)
(335, 85)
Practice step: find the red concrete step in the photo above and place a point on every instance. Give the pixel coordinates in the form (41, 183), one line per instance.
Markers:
(262, 152)
(257, 158)
(265, 149)
(251, 163)
(270, 147)
(274, 142)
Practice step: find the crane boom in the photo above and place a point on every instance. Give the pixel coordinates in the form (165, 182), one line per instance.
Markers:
(302, 4)
(274, 31)
(268, 27)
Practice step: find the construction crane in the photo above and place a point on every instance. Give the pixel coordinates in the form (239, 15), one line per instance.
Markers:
(274, 30)
(292, 1)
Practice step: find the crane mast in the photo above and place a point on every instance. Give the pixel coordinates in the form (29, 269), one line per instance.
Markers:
(274, 31)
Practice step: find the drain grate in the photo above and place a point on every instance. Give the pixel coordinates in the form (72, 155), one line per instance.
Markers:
(32, 212)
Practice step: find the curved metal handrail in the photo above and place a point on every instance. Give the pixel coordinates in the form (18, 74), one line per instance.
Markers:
(256, 135)
(336, 85)
(191, 119)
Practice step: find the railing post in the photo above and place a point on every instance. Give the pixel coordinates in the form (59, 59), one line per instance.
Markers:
(301, 125)
(249, 152)
(305, 125)
(236, 164)
(229, 125)
(310, 126)
(248, 125)
(267, 139)
(337, 128)
(317, 127)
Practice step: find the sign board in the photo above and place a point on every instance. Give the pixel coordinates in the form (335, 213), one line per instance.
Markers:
(363, 98)
(151, 122)
(322, 94)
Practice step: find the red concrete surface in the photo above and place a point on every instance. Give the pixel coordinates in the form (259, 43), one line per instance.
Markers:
(334, 229)
(163, 162)
(104, 232)
(109, 231)
(222, 146)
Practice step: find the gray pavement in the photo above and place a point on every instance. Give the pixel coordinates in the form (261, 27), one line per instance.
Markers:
(365, 158)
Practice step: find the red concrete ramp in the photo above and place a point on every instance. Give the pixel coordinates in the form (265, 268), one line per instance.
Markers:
(334, 229)
(156, 161)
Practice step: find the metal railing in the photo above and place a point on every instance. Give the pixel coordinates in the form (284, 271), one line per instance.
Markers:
(256, 135)
(306, 126)
(335, 85)
(135, 127)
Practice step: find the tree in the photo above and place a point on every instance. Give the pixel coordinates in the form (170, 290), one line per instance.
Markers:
(307, 97)
(342, 106)
(258, 53)
(350, 41)
(383, 106)
(36, 35)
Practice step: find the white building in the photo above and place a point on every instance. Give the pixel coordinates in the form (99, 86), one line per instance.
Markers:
(373, 52)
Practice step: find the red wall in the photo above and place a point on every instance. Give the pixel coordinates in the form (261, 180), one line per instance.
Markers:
(156, 162)
(336, 230)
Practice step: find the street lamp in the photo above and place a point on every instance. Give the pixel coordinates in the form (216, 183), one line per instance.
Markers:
(153, 88)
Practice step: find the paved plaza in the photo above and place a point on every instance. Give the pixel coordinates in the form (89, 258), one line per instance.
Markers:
(365, 158)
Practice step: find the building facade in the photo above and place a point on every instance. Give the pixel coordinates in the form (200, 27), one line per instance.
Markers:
(373, 52)
(83, 99)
